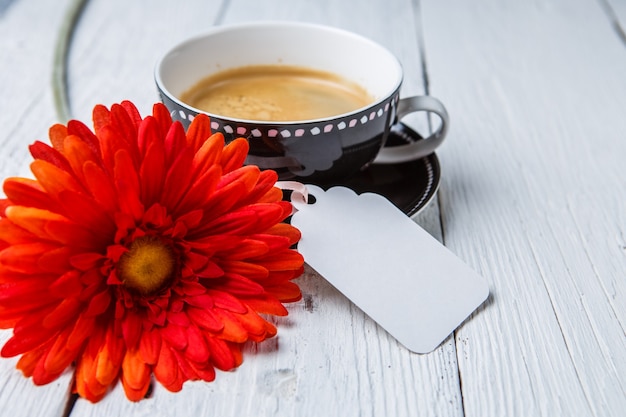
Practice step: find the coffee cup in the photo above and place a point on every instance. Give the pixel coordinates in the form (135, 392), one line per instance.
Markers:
(317, 148)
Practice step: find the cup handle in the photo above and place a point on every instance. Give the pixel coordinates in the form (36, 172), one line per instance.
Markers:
(419, 149)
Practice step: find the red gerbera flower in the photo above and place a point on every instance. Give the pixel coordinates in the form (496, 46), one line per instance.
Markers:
(141, 250)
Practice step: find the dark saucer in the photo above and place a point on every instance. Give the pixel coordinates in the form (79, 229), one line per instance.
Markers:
(410, 186)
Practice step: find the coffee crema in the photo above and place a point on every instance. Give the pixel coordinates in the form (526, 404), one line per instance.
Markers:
(280, 93)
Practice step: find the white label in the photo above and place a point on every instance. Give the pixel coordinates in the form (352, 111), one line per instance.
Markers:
(387, 265)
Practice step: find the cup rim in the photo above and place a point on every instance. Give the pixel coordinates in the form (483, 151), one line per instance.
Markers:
(275, 23)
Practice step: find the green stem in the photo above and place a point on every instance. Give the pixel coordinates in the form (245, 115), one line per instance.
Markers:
(60, 88)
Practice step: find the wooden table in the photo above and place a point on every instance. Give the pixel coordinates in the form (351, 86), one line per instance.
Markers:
(532, 197)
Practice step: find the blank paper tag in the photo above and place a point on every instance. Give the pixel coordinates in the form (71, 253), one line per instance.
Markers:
(386, 264)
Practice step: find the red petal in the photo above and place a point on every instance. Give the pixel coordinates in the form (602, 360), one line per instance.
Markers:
(191, 219)
(16, 293)
(53, 226)
(178, 178)
(234, 154)
(286, 292)
(221, 201)
(152, 173)
(59, 357)
(106, 369)
(132, 112)
(178, 318)
(210, 270)
(43, 152)
(226, 301)
(166, 370)
(27, 335)
(224, 356)
(67, 285)
(267, 305)
(57, 134)
(285, 230)
(282, 261)
(129, 200)
(209, 154)
(99, 303)
(244, 249)
(135, 374)
(190, 288)
(125, 119)
(101, 117)
(240, 286)
(28, 361)
(127, 184)
(125, 171)
(233, 331)
(85, 211)
(197, 349)
(54, 179)
(205, 371)
(196, 261)
(111, 142)
(65, 312)
(175, 142)
(150, 346)
(175, 336)
(12, 314)
(132, 329)
(41, 375)
(135, 394)
(78, 153)
(83, 328)
(75, 127)
(248, 175)
(56, 260)
(86, 383)
(201, 190)
(87, 260)
(12, 234)
(100, 186)
(27, 192)
(247, 220)
(205, 319)
(256, 326)
(248, 270)
(162, 116)
(24, 258)
(199, 131)
(264, 190)
(186, 371)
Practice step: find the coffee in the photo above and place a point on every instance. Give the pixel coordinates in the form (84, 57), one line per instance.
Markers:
(276, 93)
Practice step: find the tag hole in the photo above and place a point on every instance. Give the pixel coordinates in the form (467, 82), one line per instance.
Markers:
(311, 199)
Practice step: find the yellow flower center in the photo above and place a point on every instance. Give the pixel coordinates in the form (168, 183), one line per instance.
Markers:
(148, 265)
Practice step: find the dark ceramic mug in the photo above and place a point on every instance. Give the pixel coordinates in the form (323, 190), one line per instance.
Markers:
(314, 151)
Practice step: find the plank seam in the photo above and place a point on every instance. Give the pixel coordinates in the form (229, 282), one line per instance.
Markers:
(558, 322)
(614, 20)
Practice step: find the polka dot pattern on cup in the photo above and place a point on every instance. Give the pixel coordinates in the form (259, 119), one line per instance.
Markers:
(298, 130)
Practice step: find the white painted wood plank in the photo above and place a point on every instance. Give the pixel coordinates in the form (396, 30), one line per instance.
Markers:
(616, 13)
(26, 111)
(117, 44)
(326, 360)
(328, 357)
(534, 199)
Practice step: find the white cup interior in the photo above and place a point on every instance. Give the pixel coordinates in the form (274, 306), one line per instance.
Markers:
(300, 44)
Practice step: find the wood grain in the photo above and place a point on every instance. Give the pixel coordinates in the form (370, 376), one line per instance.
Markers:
(327, 348)
(26, 112)
(534, 200)
(533, 197)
